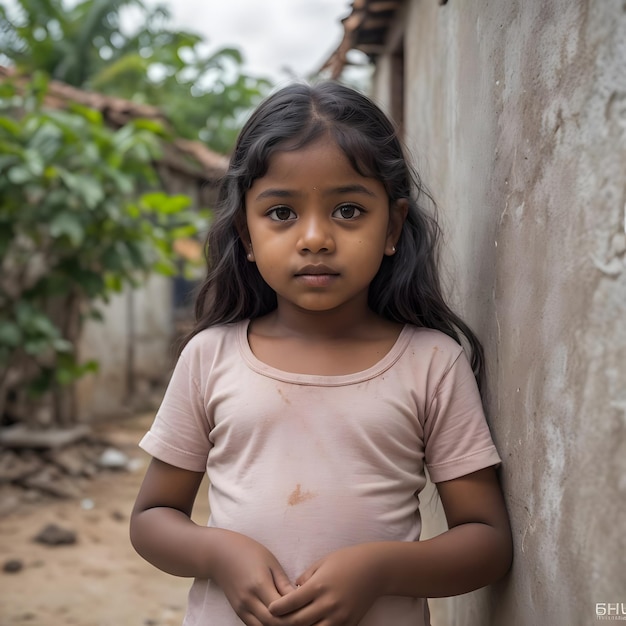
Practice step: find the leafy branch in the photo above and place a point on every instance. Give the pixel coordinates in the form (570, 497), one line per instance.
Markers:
(80, 217)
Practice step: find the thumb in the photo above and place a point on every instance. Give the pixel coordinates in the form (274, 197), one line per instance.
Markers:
(281, 581)
(306, 574)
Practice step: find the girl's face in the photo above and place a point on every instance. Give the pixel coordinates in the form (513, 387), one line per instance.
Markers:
(318, 230)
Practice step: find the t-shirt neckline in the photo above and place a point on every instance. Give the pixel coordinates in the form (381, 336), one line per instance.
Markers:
(269, 371)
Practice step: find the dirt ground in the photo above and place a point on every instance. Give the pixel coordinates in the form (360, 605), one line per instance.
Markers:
(99, 580)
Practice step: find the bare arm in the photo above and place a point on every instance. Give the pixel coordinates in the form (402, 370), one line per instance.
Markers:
(161, 529)
(474, 552)
(162, 532)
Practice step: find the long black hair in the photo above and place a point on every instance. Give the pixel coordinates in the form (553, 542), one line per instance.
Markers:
(407, 288)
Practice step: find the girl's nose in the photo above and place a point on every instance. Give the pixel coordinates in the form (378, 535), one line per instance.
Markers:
(316, 236)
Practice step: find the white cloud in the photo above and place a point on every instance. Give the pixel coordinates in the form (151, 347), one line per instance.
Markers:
(272, 34)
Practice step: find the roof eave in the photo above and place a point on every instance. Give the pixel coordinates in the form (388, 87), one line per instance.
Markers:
(365, 29)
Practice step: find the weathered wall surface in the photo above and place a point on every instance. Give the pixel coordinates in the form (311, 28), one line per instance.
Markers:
(133, 345)
(516, 114)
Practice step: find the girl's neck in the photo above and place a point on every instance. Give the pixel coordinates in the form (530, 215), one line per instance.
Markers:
(331, 344)
(287, 321)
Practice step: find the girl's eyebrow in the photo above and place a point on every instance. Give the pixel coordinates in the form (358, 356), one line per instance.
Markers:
(276, 193)
(343, 189)
(355, 188)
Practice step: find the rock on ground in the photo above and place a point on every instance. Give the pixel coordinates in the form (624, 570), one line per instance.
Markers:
(99, 580)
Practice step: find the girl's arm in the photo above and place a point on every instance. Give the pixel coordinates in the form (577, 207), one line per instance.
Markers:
(161, 529)
(474, 552)
(162, 532)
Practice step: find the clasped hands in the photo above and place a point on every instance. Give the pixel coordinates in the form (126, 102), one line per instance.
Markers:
(337, 590)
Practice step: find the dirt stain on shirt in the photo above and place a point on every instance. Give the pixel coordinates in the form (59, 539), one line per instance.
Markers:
(286, 400)
(297, 496)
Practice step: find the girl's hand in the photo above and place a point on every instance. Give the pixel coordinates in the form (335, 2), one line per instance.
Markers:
(251, 578)
(338, 590)
(163, 533)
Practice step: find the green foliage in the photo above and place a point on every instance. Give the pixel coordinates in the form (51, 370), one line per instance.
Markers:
(205, 95)
(80, 210)
(79, 219)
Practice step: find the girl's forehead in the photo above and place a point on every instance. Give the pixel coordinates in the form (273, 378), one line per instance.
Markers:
(321, 153)
(320, 165)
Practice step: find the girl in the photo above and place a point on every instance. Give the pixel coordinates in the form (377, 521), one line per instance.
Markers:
(324, 374)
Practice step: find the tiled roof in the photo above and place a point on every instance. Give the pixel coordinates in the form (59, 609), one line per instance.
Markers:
(192, 158)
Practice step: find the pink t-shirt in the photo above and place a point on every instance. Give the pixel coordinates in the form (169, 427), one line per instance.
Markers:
(307, 464)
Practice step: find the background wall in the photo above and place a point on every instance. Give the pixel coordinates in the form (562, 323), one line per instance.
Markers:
(516, 114)
(134, 347)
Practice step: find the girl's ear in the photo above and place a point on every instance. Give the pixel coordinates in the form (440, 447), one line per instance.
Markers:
(244, 236)
(398, 211)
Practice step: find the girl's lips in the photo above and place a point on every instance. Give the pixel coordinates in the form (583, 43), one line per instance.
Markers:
(317, 275)
(317, 280)
(316, 270)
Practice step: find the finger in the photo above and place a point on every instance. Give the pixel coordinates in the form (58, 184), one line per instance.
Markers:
(257, 615)
(281, 581)
(307, 574)
(311, 614)
(250, 620)
(267, 590)
(293, 601)
(267, 619)
(252, 607)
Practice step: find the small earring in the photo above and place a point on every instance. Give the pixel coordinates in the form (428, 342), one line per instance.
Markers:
(393, 249)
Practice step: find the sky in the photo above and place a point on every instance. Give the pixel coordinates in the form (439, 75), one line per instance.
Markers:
(278, 38)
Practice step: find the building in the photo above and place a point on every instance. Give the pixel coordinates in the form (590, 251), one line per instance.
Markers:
(515, 113)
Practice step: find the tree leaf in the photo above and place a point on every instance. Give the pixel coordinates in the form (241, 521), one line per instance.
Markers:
(19, 175)
(10, 334)
(67, 225)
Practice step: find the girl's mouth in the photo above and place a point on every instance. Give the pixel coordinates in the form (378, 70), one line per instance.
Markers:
(317, 275)
(316, 270)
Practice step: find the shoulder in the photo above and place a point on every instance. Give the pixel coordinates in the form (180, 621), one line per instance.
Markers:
(433, 357)
(212, 342)
(430, 344)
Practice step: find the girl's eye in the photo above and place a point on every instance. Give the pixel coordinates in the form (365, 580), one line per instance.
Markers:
(347, 212)
(281, 214)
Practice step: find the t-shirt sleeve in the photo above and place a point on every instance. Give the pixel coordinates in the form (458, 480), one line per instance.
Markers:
(180, 432)
(457, 440)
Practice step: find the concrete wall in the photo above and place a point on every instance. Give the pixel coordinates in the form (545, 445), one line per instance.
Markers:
(516, 114)
(133, 345)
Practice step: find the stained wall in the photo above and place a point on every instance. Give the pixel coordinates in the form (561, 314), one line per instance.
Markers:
(133, 344)
(515, 113)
